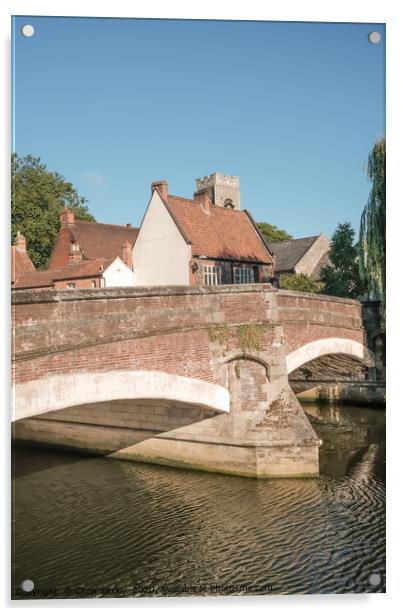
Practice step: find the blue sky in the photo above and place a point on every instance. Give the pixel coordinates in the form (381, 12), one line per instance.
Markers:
(291, 108)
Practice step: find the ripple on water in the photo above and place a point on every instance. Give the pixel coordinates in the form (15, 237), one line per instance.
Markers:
(100, 523)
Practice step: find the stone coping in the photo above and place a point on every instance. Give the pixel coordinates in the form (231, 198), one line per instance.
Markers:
(39, 296)
(317, 297)
(35, 296)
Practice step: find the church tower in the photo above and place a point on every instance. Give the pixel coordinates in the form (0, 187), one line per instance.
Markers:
(223, 190)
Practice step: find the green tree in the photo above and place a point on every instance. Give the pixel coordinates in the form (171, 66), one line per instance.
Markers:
(372, 229)
(272, 233)
(37, 198)
(341, 277)
(299, 282)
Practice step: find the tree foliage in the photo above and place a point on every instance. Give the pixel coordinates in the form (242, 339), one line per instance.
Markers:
(341, 277)
(37, 198)
(272, 233)
(372, 228)
(299, 282)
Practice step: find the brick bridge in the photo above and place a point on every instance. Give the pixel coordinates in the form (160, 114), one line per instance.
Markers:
(186, 376)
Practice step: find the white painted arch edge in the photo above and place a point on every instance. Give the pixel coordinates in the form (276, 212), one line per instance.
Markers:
(328, 346)
(65, 390)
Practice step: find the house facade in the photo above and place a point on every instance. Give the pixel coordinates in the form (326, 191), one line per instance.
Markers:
(86, 255)
(207, 240)
(91, 254)
(86, 275)
(306, 255)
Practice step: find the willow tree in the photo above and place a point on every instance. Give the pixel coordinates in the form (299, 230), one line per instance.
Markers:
(372, 229)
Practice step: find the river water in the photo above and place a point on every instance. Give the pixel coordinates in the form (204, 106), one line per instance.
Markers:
(95, 527)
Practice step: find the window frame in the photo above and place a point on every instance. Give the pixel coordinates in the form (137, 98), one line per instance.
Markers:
(212, 275)
(243, 275)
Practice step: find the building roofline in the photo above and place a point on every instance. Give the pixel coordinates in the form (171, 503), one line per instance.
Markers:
(297, 239)
(260, 235)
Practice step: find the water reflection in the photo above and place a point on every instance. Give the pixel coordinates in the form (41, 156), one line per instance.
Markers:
(350, 435)
(97, 527)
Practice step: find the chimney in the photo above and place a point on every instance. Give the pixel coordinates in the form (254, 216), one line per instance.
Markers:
(66, 218)
(202, 198)
(127, 253)
(20, 242)
(162, 187)
(75, 254)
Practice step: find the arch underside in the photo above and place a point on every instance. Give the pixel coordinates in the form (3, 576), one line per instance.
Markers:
(329, 347)
(63, 391)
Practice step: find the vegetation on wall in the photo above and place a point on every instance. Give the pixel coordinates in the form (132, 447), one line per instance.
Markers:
(37, 198)
(219, 332)
(299, 282)
(250, 335)
(341, 277)
(372, 241)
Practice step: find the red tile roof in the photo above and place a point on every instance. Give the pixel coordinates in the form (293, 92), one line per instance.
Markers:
(98, 240)
(72, 271)
(34, 280)
(218, 232)
(82, 269)
(20, 263)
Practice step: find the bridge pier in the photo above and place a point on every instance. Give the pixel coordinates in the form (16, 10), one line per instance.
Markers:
(265, 434)
(185, 376)
(280, 444)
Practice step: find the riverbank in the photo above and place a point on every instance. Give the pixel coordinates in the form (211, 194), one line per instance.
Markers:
(358, 393)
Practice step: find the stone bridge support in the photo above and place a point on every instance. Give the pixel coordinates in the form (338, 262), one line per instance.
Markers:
(184, 376)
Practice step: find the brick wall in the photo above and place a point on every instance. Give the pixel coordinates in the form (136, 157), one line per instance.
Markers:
(261, 272)
(151, 328)
(252, 388)
(164, 328)
(80, 283)
(306, 317)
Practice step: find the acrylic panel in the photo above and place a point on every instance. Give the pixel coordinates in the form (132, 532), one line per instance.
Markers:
(198, 303)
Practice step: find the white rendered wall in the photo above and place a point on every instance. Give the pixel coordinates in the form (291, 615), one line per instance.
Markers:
(118, 274)
(161, 255)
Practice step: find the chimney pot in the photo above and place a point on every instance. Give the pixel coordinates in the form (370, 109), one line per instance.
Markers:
(162, 187)
(20, 242)
(75, 253)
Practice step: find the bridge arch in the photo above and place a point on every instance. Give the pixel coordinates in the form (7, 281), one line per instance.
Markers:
(62, 391)
(328, 346)
(247, 356)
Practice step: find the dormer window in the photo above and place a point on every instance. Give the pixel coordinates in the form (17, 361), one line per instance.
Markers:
(228, 203)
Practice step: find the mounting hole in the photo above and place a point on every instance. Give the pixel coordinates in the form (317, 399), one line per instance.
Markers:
(27, 585)
(374, 37)
(375, 579)
(27, 30)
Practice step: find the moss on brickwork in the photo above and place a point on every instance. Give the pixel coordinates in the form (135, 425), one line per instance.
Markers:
(250, 335)
(219, 333)
(237, 369)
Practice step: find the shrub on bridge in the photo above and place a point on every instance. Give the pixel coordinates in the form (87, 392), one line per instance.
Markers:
(299, 282)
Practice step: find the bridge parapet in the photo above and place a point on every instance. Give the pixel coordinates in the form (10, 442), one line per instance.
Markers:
(152, 328)
(233, 337)
(308, 317)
